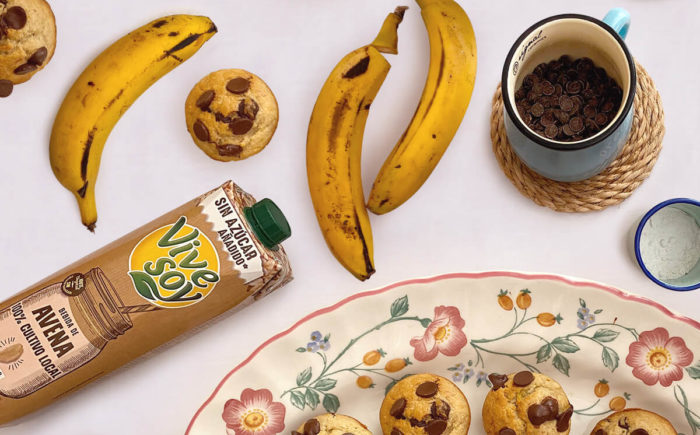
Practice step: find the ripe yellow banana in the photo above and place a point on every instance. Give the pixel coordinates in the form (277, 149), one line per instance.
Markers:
(334, 147)
(443, 104)
(106, 89)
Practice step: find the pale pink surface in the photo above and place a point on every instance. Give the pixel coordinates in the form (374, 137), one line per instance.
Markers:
(254, 402)
(657, 358)
(443, 335)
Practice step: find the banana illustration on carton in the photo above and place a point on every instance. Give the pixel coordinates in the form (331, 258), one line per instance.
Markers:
(442, 106)
(334, 147)
(106, 89)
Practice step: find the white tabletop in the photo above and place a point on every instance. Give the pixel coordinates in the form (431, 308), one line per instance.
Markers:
(467, 217)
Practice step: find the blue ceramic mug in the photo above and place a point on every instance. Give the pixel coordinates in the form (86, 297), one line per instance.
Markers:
(577, 36)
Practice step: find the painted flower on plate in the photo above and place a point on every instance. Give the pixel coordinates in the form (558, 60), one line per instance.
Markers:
(443, 335)
(255, 414)
(656, 357)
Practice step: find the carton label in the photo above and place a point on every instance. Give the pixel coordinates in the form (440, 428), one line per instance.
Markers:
(175, 266)
(233, 234)
(39, 343)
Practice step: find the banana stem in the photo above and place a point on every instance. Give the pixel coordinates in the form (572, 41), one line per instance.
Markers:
(387, 39)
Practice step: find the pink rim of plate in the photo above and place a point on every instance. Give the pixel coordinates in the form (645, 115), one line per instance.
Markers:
(619, 293)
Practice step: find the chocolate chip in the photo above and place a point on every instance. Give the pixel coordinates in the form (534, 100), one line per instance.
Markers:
(25, 69)
(436, 427)
(296, 433)
(38, 57)
(238, 85)
(427, 389)
(574, 87)
(417, 423)
(200, 130)
(564, 419)
(601, 119)
(537, 110)
(547, 88)
(441, 411)
(552, 404)
(551, 131)
(248, 108)
(562, 116)
(506, 431)
(639, 432)
(538, 414)
(576, 124)
(498, 381)
(623, 423)
(589, 111)
(397, 408)
(312, 427)
(600, 432)
(607, 107)
(240, 125)
(229, 150)
(6, 87)
(530, 80)
(225, 119)
(15, 18)
(523, 379)
(395, 431)
(204, 100)
(566, 103)
(547, 119)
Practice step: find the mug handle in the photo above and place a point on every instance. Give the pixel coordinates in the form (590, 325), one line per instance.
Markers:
(619, 19)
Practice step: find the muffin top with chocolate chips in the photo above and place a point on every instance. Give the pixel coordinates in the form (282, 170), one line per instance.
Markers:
(332, 424)
(231, 114)
(526, 403)
(27, 40)
(633, 421)
(425, 404)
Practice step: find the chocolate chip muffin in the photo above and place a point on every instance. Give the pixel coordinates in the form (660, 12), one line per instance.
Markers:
(231, 114)
(332, 424)
(526, 403)
(633, 422)
(27, 40)
(425, 404)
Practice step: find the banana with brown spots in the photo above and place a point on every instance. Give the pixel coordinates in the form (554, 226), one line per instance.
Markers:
(106, 89)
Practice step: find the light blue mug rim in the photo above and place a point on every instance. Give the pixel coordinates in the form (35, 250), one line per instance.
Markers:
(638, 235)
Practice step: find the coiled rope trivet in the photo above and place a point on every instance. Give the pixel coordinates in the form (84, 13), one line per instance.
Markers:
(610, 187)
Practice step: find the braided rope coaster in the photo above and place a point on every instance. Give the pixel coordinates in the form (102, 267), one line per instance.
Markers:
(610, 187)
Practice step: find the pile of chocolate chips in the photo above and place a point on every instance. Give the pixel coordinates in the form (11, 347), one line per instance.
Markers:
(568, 100)
(434, 423)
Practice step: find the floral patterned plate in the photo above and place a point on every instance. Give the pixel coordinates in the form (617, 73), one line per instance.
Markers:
(607, 348)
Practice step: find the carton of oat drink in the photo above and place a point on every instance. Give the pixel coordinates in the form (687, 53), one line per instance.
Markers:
(216, 253)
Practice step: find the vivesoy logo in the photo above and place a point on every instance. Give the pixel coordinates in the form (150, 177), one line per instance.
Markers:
(174, 266)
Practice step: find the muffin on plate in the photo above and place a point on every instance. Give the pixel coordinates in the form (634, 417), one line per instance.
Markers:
(526, 403)
(27, 40)
(231, 114)
(332, 424)
(633, 421)
(425, 404)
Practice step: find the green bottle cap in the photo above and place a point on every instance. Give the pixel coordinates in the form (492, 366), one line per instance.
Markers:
(268, 223)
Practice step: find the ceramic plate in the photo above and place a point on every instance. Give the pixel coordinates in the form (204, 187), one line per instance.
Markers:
(607, 348)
